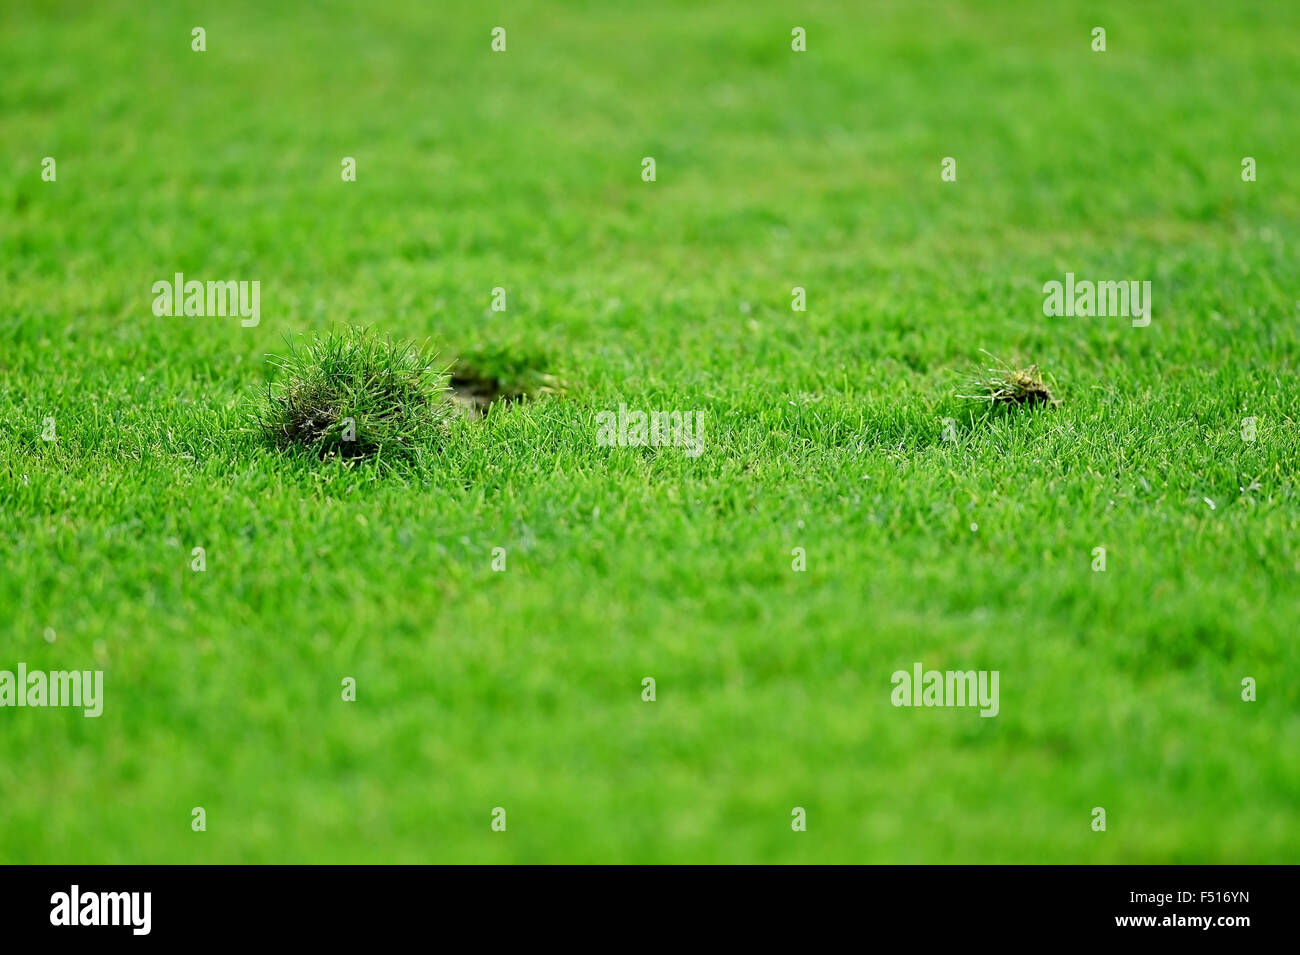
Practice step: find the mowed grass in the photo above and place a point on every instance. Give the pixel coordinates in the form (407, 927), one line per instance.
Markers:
(522, 689)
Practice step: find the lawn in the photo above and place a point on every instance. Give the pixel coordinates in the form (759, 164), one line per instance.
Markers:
(961, 545)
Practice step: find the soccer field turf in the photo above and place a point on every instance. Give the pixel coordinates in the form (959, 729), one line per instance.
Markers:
(850, 515)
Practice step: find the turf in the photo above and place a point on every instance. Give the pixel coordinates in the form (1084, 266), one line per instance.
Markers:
(522, 688)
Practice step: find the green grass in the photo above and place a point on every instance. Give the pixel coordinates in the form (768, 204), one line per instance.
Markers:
(824, 430)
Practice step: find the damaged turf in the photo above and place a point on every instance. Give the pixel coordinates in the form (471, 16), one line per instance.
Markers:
(1002, 384)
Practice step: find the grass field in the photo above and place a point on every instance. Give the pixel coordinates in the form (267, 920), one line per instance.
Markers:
(522, 688)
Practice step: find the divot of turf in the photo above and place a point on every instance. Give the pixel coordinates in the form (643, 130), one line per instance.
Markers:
(353, 395)
(1003, 384)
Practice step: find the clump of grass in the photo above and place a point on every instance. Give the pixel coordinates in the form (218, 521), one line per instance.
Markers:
(1004, 384)
(354, 395)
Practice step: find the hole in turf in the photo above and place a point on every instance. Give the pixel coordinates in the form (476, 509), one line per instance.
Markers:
(476, 392)
(488, 377)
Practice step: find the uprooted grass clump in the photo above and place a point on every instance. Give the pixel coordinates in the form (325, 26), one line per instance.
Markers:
(1003, 384)
(354, 395)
